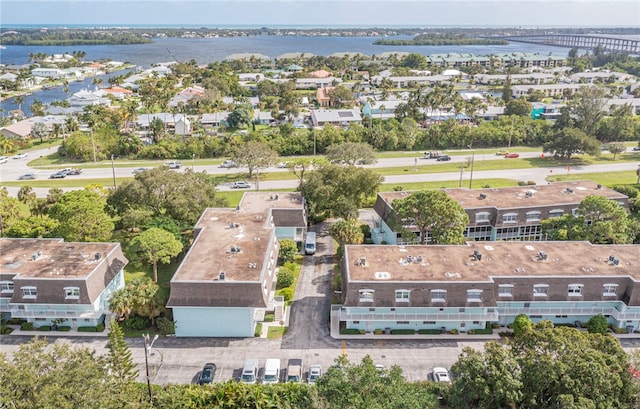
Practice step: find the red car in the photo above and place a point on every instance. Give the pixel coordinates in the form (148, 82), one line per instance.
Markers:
(511, 155)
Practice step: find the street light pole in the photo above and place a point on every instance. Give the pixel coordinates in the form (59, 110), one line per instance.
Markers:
(113, 170)
(473, 156)
(193, 162)
(146, 364)
(461, 168)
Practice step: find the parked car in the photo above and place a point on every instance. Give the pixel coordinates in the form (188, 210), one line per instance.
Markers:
(502, 152)
(512, 155)
(58, 175)
(173, 164)
(28, 176)
(315, 372)
(20, 155)
(72, 171)
(443, 158)
(441, 375)
(228, 164)
(3, 159)
(294, 370)
(207, 374)
(249, 371)
(271, 371)
(240, 185)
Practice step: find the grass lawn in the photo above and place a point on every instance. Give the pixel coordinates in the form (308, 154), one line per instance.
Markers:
(276, 332)
(606, 179)
(165, 273)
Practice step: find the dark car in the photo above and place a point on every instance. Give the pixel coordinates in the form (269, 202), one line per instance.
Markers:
(443, 158)
(207, 374)
(58, 175)
(636, 148)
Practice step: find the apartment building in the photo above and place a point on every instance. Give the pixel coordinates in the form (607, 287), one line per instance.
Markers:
(512, 213)
(466, 287)
(226, 282)
(42, 280)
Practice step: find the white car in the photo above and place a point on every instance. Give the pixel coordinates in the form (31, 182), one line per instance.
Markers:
(21, 155)
(3, 159)
(282, 165)
(240, 185)
(441, 375)
(315, 372)
(174, 165)
(228, 164)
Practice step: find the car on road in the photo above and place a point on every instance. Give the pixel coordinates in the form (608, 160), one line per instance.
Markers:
(502, 152)
(139, 170)
(315, 372)
(3, 159)
(72, 171)
(441, 375)
(20, 155)
(207, 374)
(229, 164)
(512, 155)
(28, 176)
(443, 158)
(58, 175)
(636, 148)
(282, 165)
(173, 164)
(240, 185)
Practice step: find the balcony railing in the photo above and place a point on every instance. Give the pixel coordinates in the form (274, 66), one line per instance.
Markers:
(435, 316)
(48, 313)
(586, 311)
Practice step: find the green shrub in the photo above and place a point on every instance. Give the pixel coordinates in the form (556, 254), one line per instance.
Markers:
(366, 230)
(135, 323)
(64, 328)
(87, 329)
(398, 188)
(165, 326)
(617, 330)
(350, 331)
(531, 182)
(26, 326)
(362, 332)
(288, 250)
(44, 328)
(377, 331)
(16, 321)
(495, 325)
(597, 324)
(403, 331)
(99, 327)
(522, 183)
(285, 278)
(6, 330)
(429, 331)
(286, 293)
(454, 332)
(481, 331)
(269, 317)
(258, 330)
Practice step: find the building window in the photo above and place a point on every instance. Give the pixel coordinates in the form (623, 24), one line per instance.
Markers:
(72, 293)
(533, 216)
(366, 295)
(609, 289)
(509, 218)
(540, 290)
(6, 287)
(575, 212)
(438, 295)
(402, 295)
(505, 290)
(482, 217)
(29, 292)
(575, 289)
(474, 295)
(556, 213)
(429, 322)
(402, 322)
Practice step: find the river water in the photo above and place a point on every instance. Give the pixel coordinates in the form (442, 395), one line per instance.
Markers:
(208, 50)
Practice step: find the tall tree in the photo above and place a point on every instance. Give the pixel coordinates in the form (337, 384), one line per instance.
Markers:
(432, 212)
(82, 217)
(157, 245)
(569, 141)
(255, 156)
(120, 359)
(587, 108)
(351, 153)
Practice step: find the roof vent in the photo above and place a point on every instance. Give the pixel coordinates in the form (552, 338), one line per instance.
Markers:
(253, 265)
(477, 255)
(614, 260)
(235, 249)
(568, 190)
(542, 256)
(529, 193)
(36, 255)
(382, 275)
(222, 276)
(599, 186)
(96, 256)
(233, 225)
(482, 196)
(450, 274)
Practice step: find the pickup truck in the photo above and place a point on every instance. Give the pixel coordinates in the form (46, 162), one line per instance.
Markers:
(71, 171)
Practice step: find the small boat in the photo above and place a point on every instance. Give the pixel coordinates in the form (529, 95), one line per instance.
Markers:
(3, 47)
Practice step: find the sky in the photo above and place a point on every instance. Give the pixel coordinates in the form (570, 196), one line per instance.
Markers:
(323, 13)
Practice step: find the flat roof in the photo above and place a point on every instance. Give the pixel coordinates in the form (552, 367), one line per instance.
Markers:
(235, 241)
(499, 259)
(516, 197)
(51, 258)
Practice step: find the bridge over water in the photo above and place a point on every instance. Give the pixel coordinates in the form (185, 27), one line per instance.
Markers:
(608, 43)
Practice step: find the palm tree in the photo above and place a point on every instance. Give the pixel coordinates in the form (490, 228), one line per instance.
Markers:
(121, 303)
(19, 99)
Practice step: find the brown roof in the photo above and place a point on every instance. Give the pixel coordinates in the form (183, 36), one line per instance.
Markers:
(516, 197)
(502, 258)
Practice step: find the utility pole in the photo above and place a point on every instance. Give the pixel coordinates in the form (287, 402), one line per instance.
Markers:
(113, 170)
(473, 156)
(93, 144)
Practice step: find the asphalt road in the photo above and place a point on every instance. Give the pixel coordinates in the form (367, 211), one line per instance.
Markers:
(14, 168)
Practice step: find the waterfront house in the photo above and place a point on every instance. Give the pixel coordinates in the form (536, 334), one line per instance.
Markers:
(42, 280)
(226, 282)
(469, 287)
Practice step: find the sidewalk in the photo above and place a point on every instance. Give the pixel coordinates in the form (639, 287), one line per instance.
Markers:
(267, 325)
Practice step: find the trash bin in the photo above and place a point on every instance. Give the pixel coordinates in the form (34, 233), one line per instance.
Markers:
(387, 331)
(629, 329)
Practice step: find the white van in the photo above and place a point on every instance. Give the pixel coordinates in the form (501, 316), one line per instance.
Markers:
(271, 371)
(249, 371)
(310, 243)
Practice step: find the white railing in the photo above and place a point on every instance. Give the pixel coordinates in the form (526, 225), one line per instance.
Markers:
(588, 311)
(436, 316)
(48, 313)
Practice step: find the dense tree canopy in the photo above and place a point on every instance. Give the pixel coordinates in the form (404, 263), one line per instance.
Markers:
(81, 216)
(156, 245)
(569, 141)
(350, 153)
